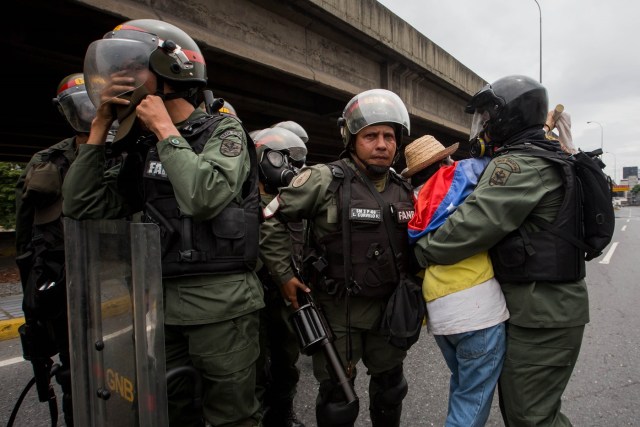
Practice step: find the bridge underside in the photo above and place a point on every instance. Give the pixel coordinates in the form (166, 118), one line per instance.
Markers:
(296, 60)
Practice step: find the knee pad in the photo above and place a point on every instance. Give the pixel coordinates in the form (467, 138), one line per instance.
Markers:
(392, 388)
(332, 408)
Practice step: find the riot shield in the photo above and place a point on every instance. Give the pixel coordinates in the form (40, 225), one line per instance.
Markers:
(116, 335)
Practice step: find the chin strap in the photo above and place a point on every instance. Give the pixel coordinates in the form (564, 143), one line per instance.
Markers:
(186, 94)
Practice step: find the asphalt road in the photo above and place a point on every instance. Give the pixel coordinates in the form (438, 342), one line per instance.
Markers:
(604, 390)
(605, 387)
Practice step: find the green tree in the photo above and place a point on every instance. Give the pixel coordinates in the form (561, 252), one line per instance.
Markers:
(9, 174)
(636, 189)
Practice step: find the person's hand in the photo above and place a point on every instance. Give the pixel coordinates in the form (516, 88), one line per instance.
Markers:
(105, 115)
(289, 291)
(154, 116)
(550, 123)
(119, 84)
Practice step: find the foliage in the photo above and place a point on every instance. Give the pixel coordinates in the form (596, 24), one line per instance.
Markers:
(636, 189)
(9, 174)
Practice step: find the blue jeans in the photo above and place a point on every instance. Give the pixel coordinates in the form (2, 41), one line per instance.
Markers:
(475, 360)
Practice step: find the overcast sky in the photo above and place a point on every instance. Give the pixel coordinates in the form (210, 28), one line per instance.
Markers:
(590, 57)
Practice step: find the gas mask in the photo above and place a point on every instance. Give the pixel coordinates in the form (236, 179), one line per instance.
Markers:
(479, 147)
(276, 170)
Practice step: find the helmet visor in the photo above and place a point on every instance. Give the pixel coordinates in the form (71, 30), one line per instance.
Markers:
(78, 109)
(112, 66)
(375, 106)
(281, 139)
(295, 128)
(480, 118)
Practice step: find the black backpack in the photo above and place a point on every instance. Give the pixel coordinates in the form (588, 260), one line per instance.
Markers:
(594, 195)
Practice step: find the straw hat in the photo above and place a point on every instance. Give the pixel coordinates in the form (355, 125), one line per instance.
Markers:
(424, 152)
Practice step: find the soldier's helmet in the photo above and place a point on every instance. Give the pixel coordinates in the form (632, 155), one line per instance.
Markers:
(72, 101)
(375, 106)
(133, 50)
(277, 150)
(295, 128)
(507, 106)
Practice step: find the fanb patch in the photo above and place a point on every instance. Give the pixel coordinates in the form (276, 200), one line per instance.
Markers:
(155, 169)
(231, 146)
(403, 216)
(502, 172)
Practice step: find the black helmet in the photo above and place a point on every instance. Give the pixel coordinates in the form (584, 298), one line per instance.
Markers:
(277, 149)
(375, 106)
(131, 50)
(74, 104)
(507, 106)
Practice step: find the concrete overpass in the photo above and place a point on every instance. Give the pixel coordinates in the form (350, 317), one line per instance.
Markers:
(272, 60)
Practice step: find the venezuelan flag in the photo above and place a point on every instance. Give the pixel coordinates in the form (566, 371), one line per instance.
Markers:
(443, 193)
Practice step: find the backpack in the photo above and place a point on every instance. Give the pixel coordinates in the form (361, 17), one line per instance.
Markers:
(594, 196)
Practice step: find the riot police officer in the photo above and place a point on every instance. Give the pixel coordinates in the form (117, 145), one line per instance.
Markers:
(194, 175)
(516, 192)
(278, 149)
(357, 209)
(40, 240)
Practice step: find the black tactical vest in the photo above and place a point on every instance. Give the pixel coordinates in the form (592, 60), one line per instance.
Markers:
(375, 270)
(526, 256)
(227, 243)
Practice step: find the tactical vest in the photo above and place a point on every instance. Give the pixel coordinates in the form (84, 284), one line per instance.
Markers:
(225, 244)
(362, 243)
(526, 256)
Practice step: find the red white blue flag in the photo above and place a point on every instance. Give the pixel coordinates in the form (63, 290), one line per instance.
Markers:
(443, 193)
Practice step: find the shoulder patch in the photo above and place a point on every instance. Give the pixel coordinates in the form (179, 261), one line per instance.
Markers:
(230, 132)
(504, 167)
(231, 146)
(508, 163)
(301, 179)
(499, 176)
